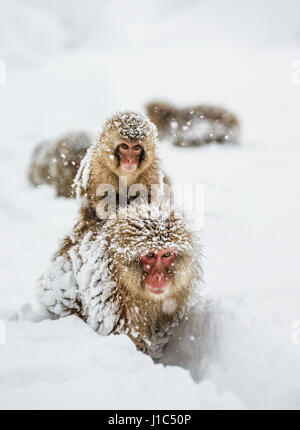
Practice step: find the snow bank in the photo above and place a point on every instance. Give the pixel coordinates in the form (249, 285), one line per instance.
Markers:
(65, 364)
(241, 345)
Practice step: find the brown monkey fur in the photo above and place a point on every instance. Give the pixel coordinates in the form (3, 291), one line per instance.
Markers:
(195, 125)
(100, 277)
(101, 165)
(57, 162)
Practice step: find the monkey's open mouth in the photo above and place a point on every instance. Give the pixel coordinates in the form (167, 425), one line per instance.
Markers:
(157, 289)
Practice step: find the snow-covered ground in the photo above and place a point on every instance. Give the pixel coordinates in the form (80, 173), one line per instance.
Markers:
(69, 65)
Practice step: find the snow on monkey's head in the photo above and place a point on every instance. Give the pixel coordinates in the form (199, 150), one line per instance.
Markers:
(127, 142)
(153, 254)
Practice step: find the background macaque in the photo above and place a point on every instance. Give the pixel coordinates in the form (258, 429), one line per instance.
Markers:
(57, 162)
(137, 275)
(124, 154)
(194, 126)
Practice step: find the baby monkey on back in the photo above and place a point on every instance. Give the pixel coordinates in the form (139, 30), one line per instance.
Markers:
(123, 157)
(194, 126)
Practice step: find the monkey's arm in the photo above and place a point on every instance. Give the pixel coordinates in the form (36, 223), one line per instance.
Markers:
(155, 345)
(57, 288)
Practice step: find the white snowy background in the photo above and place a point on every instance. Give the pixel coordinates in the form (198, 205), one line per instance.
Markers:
(69, 64)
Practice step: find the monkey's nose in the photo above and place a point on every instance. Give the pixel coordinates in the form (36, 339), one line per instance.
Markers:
(158, 276)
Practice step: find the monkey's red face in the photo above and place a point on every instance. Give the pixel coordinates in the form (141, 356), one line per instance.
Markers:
(129, 155)
(157, 267)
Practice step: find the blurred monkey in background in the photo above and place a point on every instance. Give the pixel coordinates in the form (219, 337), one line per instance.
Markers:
(56, 162)
(194, 126)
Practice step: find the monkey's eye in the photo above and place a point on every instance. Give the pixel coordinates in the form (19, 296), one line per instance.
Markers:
(167, 254)
(124, 146)
(150, 255)
(137, 147)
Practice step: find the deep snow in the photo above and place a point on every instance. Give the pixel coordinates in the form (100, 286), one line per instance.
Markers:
(70, 67)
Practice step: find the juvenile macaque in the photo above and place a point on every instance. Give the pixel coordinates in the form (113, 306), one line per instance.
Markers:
(194, 126)
(137, 275)
(124, 156)
(56, 162)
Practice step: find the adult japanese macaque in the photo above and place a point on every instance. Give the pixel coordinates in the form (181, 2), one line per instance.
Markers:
(56, 162)
(138, 274)
(195, 125)
(123, 159)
